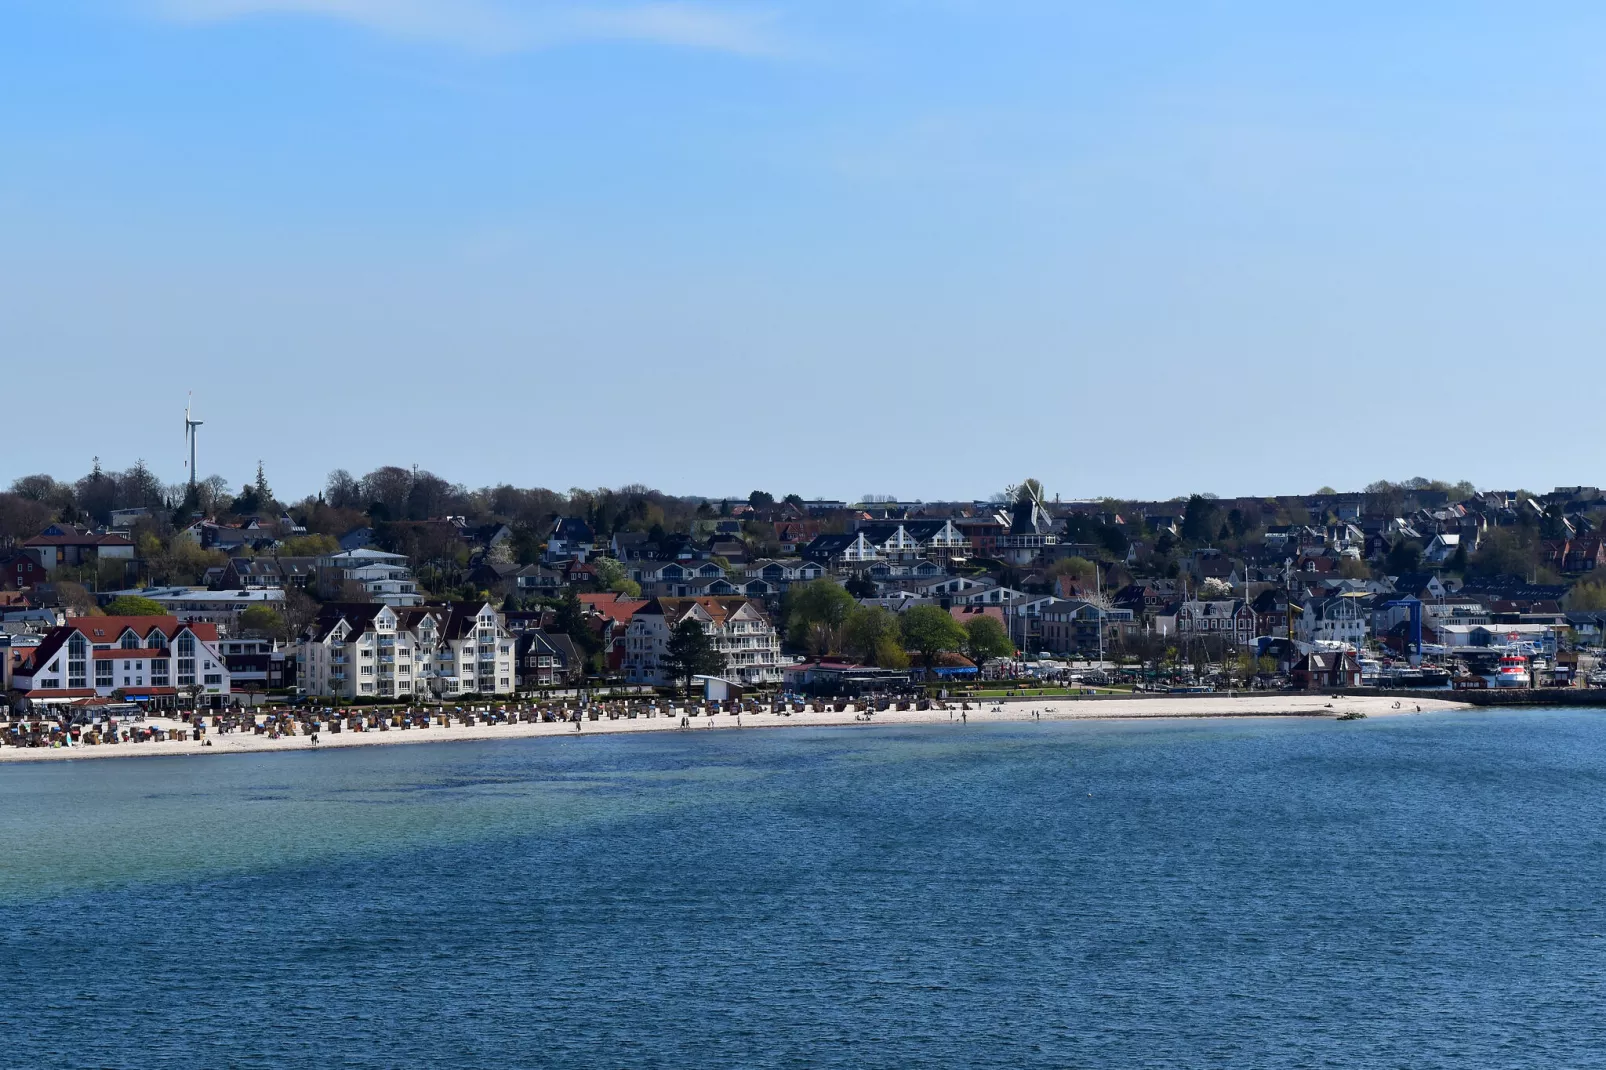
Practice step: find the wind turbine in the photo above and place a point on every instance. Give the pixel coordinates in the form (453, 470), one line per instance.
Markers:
(189, 434)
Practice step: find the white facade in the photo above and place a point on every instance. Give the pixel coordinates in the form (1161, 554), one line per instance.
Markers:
(385, 577)
(399, 653)
(740, 631)
(1334, 620)
(139, 656)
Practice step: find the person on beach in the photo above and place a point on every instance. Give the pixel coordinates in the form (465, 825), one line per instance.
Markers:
(964, 718)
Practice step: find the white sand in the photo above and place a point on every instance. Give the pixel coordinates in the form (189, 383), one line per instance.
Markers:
(1145, 707)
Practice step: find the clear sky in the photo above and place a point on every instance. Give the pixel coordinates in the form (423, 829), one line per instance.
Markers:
(836, 247)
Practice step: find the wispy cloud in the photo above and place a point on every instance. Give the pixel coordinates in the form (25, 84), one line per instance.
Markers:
(519, 25)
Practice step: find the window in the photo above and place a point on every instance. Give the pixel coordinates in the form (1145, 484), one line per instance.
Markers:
(103, 673)
(130, 642)
(214, 678)
(186, 659)
(77, 662)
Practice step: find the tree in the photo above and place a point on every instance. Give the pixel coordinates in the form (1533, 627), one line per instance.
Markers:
(263, 492)
(1213, 589)
(871, 632)
(298, 610)
(930, 631)
(690, 652)
(133, 605)
(1404, 556)
(77, 599)
(264, 622)
(860, 586)
(985, 638)
(21, 517)
(1505, 552)
(571, 621)
(760, 499)
(308, 546)
(1201, 520)
(1587, 595)
(1353, 568)
(815, 613)
(794, 499)
(611, 576)
(1079, 569)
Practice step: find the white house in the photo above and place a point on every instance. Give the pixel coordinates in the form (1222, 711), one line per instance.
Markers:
(740, 631)
(1339, 619)
(385, 577)
(152, 659)
(401, 652)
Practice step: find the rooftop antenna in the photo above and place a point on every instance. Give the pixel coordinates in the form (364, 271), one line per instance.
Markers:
(189, 434)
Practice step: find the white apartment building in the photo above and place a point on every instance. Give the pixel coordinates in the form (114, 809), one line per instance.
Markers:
(1339, 619)
(148, 659)
(739, 628)
(384, 577)
(357, 651)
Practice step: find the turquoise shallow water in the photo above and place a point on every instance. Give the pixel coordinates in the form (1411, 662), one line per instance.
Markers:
(1417, 892)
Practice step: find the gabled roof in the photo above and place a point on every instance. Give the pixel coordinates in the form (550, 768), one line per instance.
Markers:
(613, 606)
(719, 610)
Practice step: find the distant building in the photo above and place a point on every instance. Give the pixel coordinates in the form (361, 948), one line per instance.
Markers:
(198, 605)
(148, 659)
(739, 628)
(382, 577)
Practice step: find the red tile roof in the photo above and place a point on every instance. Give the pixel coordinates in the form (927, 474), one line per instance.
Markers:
(614, 606)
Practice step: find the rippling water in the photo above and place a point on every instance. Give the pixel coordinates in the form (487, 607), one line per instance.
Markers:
(1419, 892)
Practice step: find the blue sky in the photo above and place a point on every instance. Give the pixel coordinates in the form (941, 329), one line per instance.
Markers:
(915, 247)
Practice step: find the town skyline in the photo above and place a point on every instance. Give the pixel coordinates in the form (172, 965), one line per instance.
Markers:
(999, 492)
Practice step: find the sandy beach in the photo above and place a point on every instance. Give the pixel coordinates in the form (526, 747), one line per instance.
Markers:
(1143, 708)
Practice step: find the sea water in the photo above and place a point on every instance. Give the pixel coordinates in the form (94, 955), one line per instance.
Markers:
(1422, 891)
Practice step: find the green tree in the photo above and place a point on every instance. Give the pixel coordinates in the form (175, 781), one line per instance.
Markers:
(1587, 595)
(930, 631)
(1079, 569)
(1353, 568)
(1201, 520)
(815, 613)
(870, 634)
(1404, 556)
(985, 638)
(571, 621)
(308, 546)
(760, 499)
(690, 652)
(611, 576)
(1505, 552)
(133, 605)
(263, 621)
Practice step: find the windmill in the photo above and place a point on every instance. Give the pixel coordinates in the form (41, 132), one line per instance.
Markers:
(189, 435)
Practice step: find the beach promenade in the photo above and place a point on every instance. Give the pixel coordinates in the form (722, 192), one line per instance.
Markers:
(676, 719)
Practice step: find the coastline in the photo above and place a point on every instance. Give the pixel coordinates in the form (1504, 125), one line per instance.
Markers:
(1157, 707)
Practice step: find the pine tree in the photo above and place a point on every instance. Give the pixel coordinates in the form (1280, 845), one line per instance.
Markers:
(690, 652)
(263, 491)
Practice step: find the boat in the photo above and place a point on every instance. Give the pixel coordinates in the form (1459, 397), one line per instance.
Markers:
(1425, 676)
(1513, 671)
